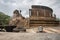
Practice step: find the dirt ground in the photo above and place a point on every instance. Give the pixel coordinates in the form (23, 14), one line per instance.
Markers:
(51, 33)
(52, 29)
(28, 36)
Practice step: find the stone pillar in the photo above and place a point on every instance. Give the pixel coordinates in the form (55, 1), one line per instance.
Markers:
(54, 16)
(29, 12)
(37, 15)
(51, 14)
(44, 12)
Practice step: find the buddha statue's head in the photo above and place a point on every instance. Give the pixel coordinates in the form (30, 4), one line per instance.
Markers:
(16, 13)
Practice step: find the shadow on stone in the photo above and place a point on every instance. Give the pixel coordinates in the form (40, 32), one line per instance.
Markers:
(20, 29)
(9, 28)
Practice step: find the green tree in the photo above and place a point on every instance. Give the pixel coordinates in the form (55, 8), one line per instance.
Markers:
(58, 19)
(4, 19)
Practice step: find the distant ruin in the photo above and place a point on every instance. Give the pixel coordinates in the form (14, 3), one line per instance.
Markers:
(38, 16)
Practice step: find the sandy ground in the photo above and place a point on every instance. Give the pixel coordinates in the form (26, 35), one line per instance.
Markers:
(46, 30)
(28, 36)
(51, 33)
(52, 29)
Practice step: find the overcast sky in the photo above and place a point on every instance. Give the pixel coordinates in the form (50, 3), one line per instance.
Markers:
(8, 6)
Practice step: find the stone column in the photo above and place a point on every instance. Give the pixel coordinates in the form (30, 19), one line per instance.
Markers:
(29, 12)
(54, 16)
(37, 13)
(44, 12)
(51, 14)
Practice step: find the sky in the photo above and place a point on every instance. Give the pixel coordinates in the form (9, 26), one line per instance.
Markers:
(8, 6)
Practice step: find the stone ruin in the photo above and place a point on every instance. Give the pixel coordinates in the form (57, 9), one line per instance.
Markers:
(38, 16)
(18, 20)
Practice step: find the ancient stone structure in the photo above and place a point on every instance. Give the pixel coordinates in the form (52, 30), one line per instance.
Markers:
(38, 16)
(17, 19)
(42, 16)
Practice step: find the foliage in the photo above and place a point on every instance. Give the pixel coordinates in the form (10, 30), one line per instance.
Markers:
(4, 19)
(58, 19)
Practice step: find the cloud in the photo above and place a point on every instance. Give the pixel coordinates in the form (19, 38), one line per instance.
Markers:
(8, 6)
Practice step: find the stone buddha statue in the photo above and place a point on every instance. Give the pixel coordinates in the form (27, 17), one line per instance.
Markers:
(17, 19)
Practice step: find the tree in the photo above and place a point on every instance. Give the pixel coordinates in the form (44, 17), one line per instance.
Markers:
(58, 19)
(4, 19)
